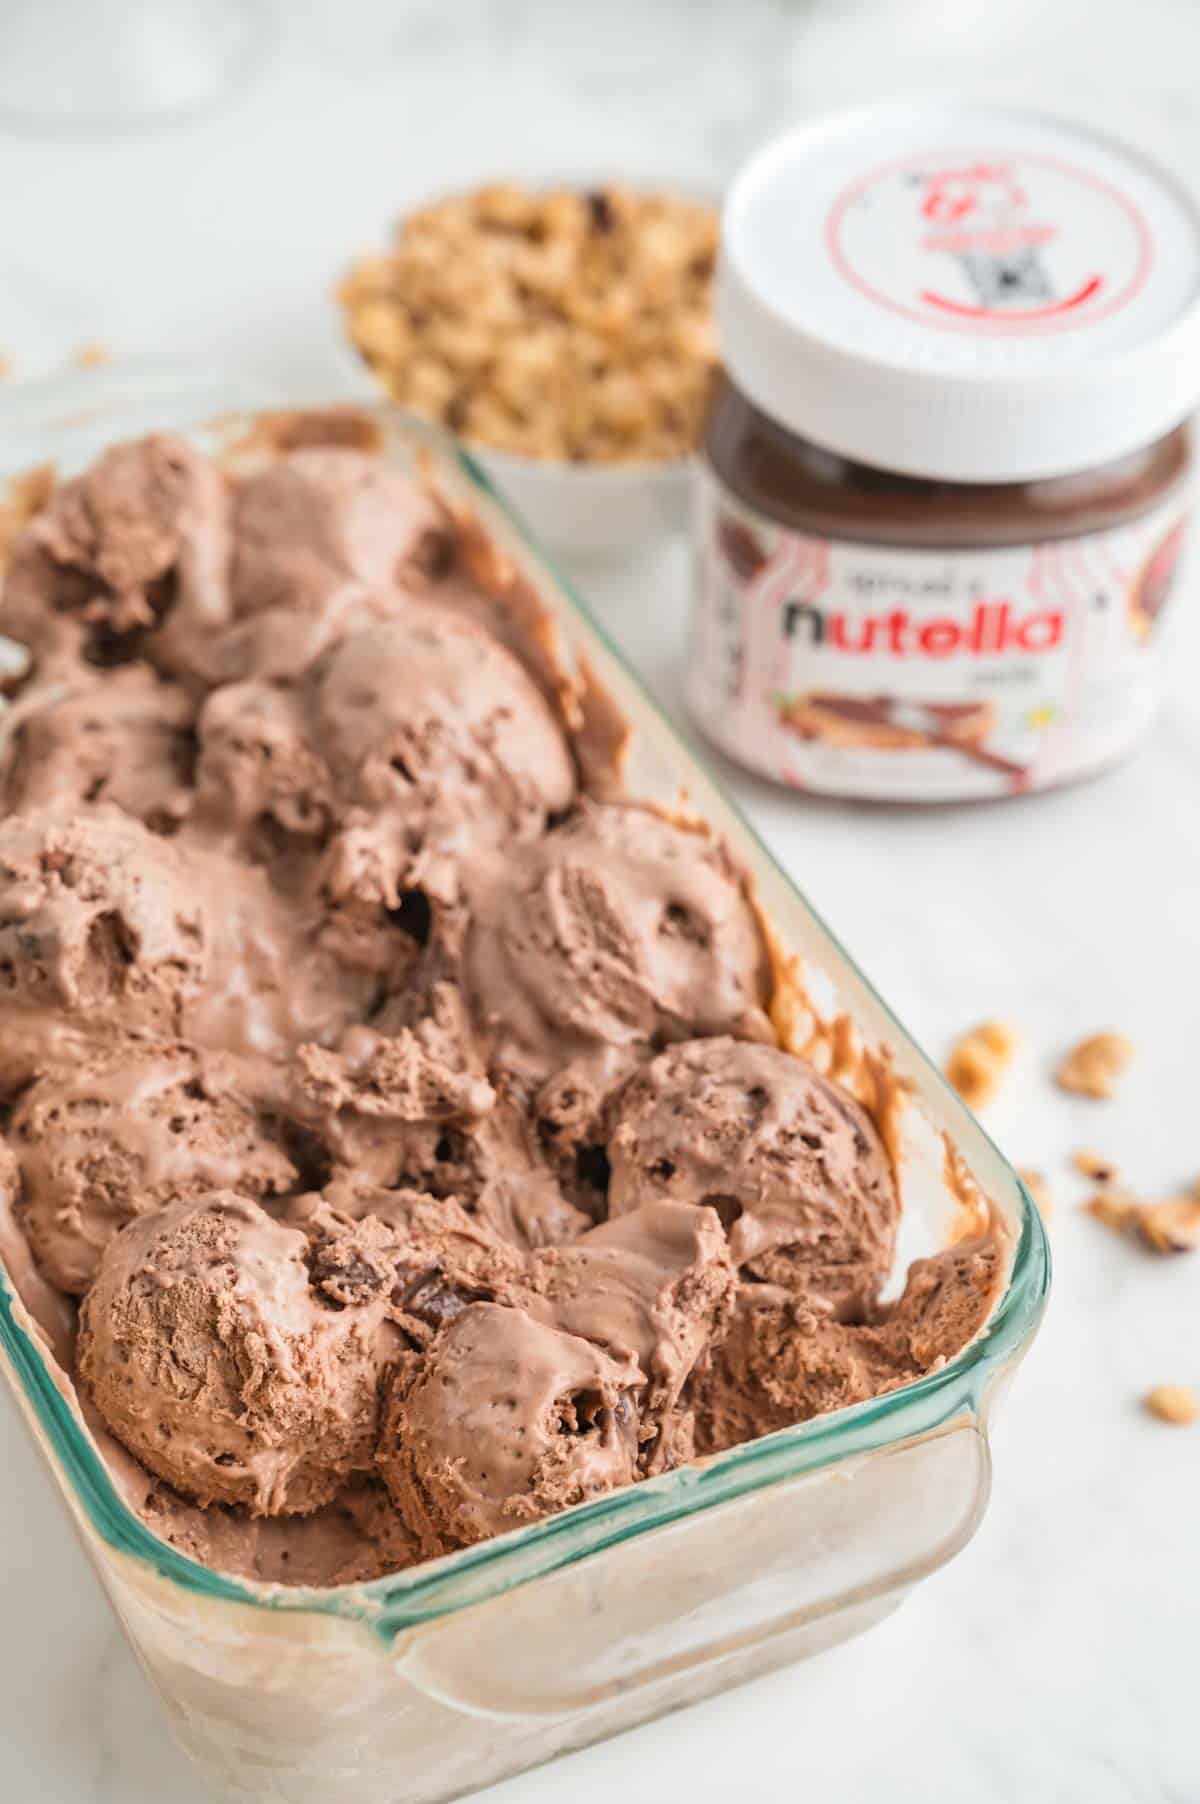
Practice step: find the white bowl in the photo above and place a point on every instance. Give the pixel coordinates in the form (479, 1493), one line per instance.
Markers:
(591, 510)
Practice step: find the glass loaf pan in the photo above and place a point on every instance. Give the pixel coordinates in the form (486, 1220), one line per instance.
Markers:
(429, 1683)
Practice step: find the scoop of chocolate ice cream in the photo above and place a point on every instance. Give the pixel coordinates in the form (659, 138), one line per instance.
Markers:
(100, 931)
(107, 929)
(655, 1287)
(122, 737)
(787, 1358)
(425, 1072)
(42, 609)
(791, 1162)
(141, 535)
(507, 1419)
(619, 928)
(324, 515)
(120, 1135)
(409, 1106)
(256, 766)
(439, 737)
(210, 1356)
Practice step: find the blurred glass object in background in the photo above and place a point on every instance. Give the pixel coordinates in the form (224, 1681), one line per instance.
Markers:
(110, 66)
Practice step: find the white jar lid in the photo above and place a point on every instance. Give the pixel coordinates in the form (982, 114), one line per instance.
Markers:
(964, 292)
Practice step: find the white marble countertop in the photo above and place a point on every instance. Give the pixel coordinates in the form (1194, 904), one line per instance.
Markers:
(1055, 1659)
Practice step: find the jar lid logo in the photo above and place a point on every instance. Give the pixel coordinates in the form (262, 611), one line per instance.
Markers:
(987, 243)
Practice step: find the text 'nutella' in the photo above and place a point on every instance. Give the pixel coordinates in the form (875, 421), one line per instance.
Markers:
(945, 481)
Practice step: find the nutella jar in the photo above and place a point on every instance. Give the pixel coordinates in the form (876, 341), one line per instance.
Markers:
(945, 478)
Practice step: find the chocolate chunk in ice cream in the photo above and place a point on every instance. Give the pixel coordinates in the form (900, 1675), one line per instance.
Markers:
(790, 1161)
(507, 1419)
(212, 1358)
(423, 1259)
(121, 1134)
(619, 928)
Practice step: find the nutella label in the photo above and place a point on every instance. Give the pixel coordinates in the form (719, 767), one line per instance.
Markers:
(986, 242)
(923, 675)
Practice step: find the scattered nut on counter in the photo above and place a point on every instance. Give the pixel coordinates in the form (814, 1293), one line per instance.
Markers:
(1172, 1226)
(1094, 1166)
(1174, 1403)
(1112, 1207)
(1093, 1066)
(558, 324)
(92, 355)
(979, 1060)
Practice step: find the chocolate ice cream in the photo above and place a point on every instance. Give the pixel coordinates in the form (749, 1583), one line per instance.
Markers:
(108, 930)
(788, 1357)
(211, 1356)
(792, 1164)
(256, 766)
(101, 933)
(125, 738)
(139, 540)
(618, 929)
(423, 1259)
(656, 1286)
(322, 516)
(436, 732)
(400, 1103)
(417, 735)
(507, 1419)
(123, 1133)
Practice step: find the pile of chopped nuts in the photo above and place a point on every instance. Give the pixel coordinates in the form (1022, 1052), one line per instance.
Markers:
(555, 324)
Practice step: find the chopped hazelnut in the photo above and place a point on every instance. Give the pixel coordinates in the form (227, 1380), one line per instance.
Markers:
(1093, 1067)
(979, 1059)
(1174, 1403)
(558, 324)
(1000, 1039)
(1094, 1166)
(90, 356)
(1172, 1226)
(1115, 1208)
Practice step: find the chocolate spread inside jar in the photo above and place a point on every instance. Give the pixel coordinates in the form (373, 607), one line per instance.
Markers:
(940, 507)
